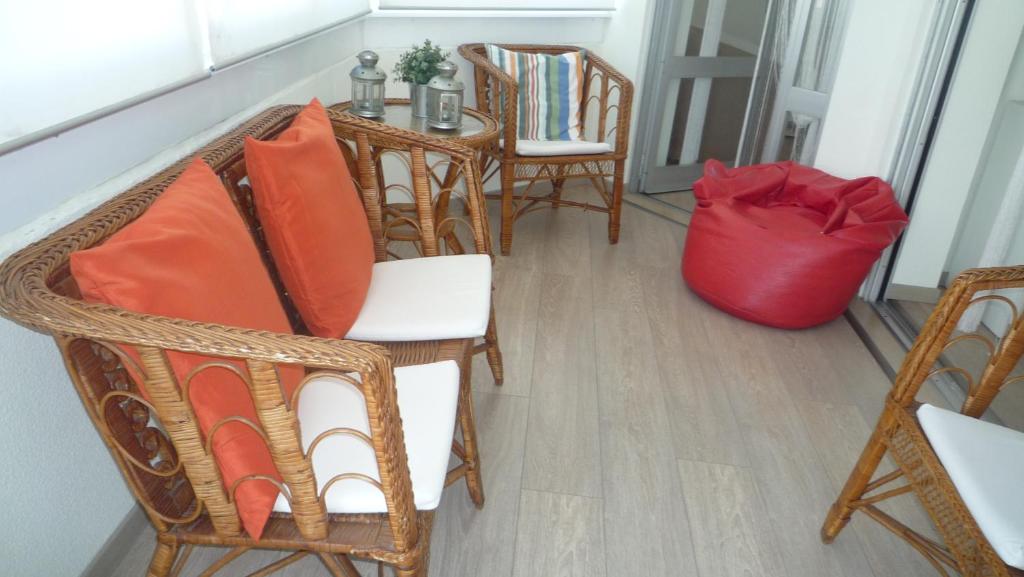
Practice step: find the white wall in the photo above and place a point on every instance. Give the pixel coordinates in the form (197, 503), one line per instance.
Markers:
(58, 482)
(987, 197)
(983, 210)
(956, 154)
(880, 56)
(990, 224)
(44, 432)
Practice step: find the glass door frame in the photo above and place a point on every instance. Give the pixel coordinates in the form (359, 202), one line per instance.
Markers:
(949, 30)
(808, 105)
(763, 128)
(662, 68)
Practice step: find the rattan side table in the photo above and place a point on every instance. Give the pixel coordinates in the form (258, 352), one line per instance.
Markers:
(478, 131)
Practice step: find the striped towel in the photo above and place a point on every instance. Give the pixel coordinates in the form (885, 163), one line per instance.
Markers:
(550, 90)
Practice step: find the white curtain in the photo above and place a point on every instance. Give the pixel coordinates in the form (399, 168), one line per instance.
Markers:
(65, 61)
(241, 28)
(61, 59)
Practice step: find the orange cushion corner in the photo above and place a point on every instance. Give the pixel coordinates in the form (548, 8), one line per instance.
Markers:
(313, 220)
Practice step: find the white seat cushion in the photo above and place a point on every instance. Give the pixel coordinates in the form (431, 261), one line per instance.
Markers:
(986, 464)
(560, 147)
(425, 299)
(427, 400)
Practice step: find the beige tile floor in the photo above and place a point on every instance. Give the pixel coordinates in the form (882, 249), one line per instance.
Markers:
(642, 432)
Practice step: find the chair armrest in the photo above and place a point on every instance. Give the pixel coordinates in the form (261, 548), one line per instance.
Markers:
(365, 140)
(611, 81)
(256, 358)
(487, 75)
(278, 423)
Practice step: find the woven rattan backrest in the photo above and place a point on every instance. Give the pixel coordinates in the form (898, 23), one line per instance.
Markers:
(156, 439)
(486, 92)
(602, 99)
(971, 288)
(434, 166)
(481, 49)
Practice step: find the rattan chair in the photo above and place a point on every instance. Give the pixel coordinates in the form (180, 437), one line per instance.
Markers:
(606, 93)
(934, 464)
(156, 441)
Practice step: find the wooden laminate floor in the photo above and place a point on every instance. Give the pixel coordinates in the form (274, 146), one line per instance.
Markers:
(682, 200)
(642, 432)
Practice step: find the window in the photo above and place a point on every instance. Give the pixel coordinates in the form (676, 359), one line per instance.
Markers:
(66, 58)
(241, 28)
(533, 5)
(66, 62)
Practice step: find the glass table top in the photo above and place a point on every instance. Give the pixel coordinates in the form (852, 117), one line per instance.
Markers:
(399, 114)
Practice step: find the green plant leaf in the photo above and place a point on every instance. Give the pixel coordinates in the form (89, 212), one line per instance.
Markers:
(420, 63)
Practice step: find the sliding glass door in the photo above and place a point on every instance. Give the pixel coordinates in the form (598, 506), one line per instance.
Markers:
(796, 69)
(708, 54)
(960, 173)
(741, 81)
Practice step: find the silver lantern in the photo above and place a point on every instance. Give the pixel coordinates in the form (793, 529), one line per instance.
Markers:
(444, 97)
(367, 86)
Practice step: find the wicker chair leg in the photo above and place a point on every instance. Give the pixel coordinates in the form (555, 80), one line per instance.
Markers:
(467, 422)
(615, 212)
(507, 218)
(493, 350)
(840, 512)
(419, 566)
(163, 559)
(556, 193)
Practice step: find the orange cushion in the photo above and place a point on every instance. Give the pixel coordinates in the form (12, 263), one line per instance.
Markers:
(190, 256)
(313, 220)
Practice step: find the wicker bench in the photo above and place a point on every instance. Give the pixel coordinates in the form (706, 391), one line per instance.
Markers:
(168, 468)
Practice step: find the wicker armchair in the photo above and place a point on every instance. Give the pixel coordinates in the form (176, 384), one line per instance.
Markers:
(937, 452)
(606, 93)
(156, 440)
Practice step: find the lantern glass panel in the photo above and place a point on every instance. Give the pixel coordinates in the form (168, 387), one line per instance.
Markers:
(450, 107)
(444, 98)
(359, 96)
(367, 86)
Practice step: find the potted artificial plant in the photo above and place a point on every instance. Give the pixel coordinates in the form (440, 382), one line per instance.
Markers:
(417, 67)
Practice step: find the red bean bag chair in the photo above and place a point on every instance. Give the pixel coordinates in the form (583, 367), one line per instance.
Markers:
(785, 245)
